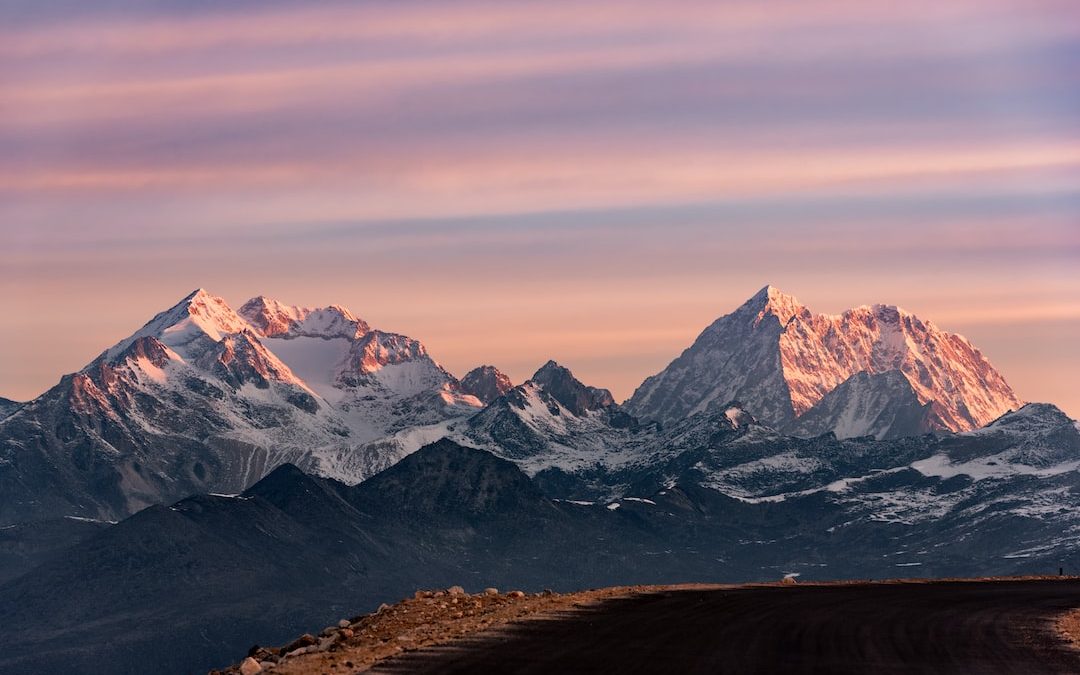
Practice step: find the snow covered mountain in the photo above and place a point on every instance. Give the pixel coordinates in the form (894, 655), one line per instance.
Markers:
(782, 360)
(203, 398)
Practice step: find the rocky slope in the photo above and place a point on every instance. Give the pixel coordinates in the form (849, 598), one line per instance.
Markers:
(428, 618)
(7, 407)
(782, 360)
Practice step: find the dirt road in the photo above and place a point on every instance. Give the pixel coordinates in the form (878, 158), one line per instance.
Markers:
(945, 627)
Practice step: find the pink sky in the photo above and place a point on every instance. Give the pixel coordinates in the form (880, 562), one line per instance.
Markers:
(512, 182)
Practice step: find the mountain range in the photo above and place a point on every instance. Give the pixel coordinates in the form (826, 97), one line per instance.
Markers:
(226, 477)
(207, 399)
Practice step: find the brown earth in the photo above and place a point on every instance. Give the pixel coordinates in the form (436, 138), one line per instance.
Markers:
(1069, 625)
(430, 618)
(975, 625)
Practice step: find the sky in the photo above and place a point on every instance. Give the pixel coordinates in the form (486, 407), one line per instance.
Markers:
(510, 182)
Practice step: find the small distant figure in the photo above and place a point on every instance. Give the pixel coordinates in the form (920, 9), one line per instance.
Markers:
(1061, 571)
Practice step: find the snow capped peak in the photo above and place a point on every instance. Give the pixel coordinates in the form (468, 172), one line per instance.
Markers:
(271, 318)
(772, 301)
(784, 367)
(188, 326)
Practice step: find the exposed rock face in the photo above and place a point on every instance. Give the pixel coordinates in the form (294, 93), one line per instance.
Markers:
(485, 383)
(576, 397)
(780, 359)
(8, 407)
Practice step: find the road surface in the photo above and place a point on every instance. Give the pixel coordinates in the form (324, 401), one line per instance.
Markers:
(941, 627)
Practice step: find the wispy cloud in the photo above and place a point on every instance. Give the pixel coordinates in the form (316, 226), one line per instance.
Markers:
(636, 157)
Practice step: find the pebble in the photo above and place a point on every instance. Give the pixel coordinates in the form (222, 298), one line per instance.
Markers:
(455, 590)
(491, 591)
(516, 594)
(344, 623)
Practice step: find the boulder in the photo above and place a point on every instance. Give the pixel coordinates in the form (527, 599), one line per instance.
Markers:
(305, 640)
(250, 666)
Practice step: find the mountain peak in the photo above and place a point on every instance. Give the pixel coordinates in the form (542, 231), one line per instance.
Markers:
(276, 319)
(574, 395)
(784, 367)
(771, 300)
(445, 478)
(186, 326)
(486, 383)
(1030, 418)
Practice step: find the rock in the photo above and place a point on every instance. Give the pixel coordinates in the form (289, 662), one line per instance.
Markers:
(788, 581)
(439, 594)
(548, 593)
(250, 666)
(266, 665)
(325, 644)
(455, 590)
(297, 652)
(329, 630)
(305, 640)
(346, 632)
(261, 654)
(344, 623)
(516, 594)
(491, 591)
(382, 608)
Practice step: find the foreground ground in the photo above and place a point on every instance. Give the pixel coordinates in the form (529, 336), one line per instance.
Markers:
(997, 626)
